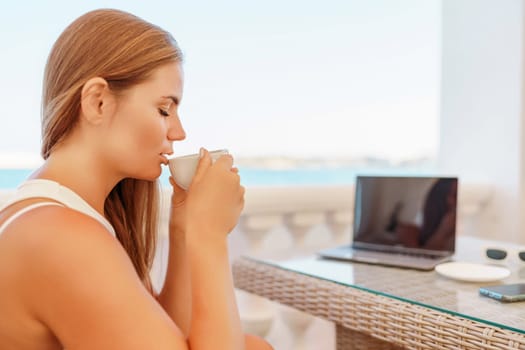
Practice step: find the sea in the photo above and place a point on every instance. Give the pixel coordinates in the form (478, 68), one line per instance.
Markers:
(250, 176)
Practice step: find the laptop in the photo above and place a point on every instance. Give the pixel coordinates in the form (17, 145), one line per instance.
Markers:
(402, 221)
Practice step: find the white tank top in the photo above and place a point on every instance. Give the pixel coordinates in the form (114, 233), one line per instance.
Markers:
(40, 188)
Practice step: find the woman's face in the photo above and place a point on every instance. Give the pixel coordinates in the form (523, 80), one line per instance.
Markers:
(146, 122)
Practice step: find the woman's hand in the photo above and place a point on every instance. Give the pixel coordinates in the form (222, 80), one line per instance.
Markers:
(215, 197)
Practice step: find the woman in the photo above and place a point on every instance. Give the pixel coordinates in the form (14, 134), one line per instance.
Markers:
(77, 241)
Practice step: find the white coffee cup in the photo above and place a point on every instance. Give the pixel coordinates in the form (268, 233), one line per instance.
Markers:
(183, 168)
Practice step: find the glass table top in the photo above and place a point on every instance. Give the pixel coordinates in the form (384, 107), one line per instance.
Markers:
(427, 288)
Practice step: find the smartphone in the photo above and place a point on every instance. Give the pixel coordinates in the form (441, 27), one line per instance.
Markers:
(505, 292)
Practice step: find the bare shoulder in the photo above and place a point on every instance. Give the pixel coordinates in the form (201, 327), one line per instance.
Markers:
(58, 227)
(81, 284)
(63, 239)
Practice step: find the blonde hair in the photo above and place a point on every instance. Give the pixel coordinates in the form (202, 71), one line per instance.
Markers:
(124, 50)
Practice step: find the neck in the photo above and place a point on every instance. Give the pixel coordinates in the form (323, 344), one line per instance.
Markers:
(82, 172)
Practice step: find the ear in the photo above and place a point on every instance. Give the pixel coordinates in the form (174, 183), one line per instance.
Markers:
(95, 96)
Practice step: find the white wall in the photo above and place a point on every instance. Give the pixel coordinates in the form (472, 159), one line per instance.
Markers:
(482, 132)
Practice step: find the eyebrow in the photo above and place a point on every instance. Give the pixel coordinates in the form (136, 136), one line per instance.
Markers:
(173, 98)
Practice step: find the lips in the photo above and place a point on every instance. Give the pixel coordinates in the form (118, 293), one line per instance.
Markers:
(164, 159)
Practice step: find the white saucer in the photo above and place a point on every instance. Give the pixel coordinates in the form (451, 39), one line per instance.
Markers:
(471, 272)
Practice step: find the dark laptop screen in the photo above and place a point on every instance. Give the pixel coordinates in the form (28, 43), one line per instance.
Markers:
(396, 213)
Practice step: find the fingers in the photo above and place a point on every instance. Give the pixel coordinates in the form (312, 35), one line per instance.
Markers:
(204, 163)
(225, 161)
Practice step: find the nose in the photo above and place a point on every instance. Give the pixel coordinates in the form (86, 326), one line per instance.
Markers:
(176, 131)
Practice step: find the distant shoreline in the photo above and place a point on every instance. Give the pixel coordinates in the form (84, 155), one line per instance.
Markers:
(32, 161)
(283, 163)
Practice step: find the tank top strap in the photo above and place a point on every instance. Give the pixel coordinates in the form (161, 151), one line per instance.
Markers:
(42, 188)
(25, 210)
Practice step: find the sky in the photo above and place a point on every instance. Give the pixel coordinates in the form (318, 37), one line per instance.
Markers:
(291, 78)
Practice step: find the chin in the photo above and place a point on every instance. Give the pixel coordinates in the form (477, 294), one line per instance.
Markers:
(153, 177)
(149, 176)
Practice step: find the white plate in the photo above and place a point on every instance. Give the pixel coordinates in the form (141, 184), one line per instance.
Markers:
(471, 272)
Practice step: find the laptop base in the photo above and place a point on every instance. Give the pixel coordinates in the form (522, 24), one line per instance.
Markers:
(403, 260)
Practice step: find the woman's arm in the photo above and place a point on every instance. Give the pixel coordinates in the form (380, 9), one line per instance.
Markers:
(175, 296)
(198, 289)
(213, 300)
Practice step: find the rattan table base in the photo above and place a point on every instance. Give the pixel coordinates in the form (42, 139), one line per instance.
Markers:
(402, 324)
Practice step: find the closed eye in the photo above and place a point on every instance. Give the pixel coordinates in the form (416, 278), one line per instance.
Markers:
(163, 112)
